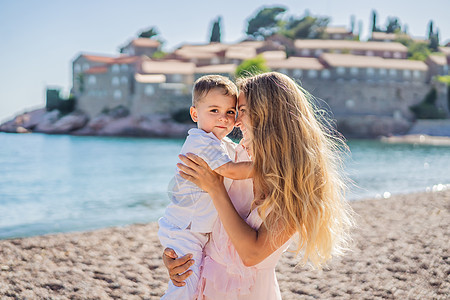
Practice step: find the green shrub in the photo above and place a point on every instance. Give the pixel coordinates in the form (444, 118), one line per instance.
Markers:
(182, 116)
(256, 65)
(427, 108)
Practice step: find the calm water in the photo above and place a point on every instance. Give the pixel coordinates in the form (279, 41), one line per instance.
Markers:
(64, 183)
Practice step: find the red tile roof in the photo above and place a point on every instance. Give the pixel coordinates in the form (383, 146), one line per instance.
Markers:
(98, 58)
(97, 70)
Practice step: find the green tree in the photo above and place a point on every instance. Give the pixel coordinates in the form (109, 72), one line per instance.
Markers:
(393, 25)
(418, 51)
(265, 23)
(430, 29)
(306, 27)
(149, 33)
(374, 21)
(434, 41)
(215, 32)
(256, 65)
(427, 108)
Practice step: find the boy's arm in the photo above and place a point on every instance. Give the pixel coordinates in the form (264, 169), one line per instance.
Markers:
(236, 171)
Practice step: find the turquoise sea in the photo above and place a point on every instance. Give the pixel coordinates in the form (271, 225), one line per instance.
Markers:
(60, 183)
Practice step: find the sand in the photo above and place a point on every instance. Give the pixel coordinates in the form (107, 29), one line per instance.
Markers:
(400, 251)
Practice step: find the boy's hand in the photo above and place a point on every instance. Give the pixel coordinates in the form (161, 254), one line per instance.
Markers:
(177, 267)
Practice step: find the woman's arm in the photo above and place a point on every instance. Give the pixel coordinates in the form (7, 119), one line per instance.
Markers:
(253, 246)
(177, 267)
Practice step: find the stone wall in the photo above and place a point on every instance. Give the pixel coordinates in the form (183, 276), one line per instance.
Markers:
(364, 98)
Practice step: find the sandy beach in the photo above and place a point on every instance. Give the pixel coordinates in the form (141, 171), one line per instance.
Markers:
(400, 251)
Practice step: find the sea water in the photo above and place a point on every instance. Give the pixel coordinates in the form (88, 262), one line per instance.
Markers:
(60, 183)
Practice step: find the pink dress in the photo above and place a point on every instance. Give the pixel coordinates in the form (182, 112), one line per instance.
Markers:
(224, 276)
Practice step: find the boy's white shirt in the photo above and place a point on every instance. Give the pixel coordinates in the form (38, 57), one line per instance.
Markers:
(190, 206)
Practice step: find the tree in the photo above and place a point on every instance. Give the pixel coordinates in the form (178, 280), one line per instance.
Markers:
(434, 42)
(374, 21)
(393, 25)
(418, 51)
(253, 66)
(149, 33)
(215, 32)
(427, 108)
(430, 29)
(306, 27)
(265, 23)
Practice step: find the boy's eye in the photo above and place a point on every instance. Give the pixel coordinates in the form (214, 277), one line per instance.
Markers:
(214, 110)
(231, 112)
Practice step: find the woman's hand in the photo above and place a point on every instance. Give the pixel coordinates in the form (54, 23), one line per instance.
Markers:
(177, 267)
(196, 170)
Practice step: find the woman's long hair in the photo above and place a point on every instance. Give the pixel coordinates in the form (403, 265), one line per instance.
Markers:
(297, 167)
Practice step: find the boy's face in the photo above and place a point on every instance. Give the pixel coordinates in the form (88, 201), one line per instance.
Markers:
(215, 113)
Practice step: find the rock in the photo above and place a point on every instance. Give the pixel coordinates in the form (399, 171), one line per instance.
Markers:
(70, 122)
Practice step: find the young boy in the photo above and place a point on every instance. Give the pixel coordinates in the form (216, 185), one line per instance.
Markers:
(191, 215)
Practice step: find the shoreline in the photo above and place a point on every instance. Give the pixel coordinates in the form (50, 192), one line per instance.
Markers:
(399, 251)
(417, 139)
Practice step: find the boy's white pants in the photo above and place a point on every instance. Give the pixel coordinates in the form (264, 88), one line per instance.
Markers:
(183, 241)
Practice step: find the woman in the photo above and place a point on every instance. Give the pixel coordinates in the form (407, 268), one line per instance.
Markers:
(297, 183)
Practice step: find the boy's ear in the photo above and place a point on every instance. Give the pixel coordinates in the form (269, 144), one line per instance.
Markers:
(193, 112)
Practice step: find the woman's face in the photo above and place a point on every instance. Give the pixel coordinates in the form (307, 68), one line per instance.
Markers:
(243, 119)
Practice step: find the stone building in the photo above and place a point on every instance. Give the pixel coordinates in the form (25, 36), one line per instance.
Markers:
(314, 48)
(339, 33)
(350, 77)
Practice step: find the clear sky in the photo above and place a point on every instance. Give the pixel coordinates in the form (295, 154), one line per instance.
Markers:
(39, 39)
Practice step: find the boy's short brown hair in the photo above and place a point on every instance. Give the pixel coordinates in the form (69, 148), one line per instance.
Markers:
(208, 82)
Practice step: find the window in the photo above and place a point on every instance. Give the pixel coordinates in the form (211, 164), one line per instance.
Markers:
(149, 90)
(305, 52)
(354, 71)
(387, 54)
(117, 94)
(115, 80)
(77, 68)
(370, 72)
(349, 103)
(392, 72)
(416, 74)
(383, 72)
(177, 77)
(340, 70)
(92, 80)
(318, 52)
(312, 73)
(215, 61)
(124, 80)
(369, 53)
(124, 67)
(85, 67)
(397, 55)
(406, 74)
(297, 73)
(115, 68)
(284, 71)
(325, 74)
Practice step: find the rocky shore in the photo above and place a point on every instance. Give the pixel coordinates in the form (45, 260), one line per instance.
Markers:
(399, 251)
(116, 122)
